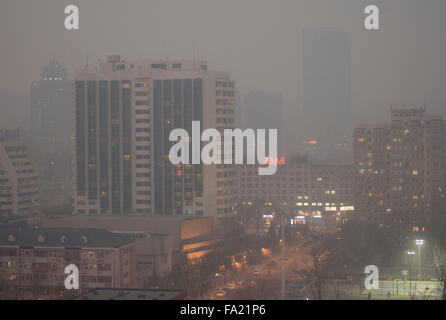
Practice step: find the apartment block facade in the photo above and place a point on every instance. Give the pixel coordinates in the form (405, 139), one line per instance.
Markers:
(19, 183)
(400, 166)
(33, 261)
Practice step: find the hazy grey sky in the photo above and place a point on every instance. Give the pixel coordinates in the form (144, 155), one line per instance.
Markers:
(258, 41)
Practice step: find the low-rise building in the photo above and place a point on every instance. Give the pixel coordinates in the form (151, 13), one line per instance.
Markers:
(33, 261)
(307, 191)
(133, 294)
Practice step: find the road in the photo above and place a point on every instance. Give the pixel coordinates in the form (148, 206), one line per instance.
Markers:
(266, 285)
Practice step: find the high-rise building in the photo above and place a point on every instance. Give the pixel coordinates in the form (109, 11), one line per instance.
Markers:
(400, 167)
(327, 118)
(238, 109)
(124, 114)
(18, 177)
(51, 133)
(264, 110)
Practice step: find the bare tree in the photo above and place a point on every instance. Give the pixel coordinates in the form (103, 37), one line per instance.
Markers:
(322, 259)
(440, 266)
(337, 288)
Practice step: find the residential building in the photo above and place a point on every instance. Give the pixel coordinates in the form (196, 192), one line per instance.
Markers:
(19, 181)
(400, 166)
(33, 261)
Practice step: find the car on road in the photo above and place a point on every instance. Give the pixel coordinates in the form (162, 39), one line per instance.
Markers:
(272, 263)
(240, 283)
(208, 296)
(222, 292)
(256, 272)
(231, 286)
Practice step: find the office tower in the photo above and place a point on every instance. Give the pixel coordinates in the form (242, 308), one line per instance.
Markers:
(124, 114)
(51, 133)
(400, 167)
(326, 117)
(264, 110)
(18, 177)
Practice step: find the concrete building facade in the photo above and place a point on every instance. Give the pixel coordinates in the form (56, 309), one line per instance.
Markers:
(33, 261)
(123, 114)
(19, 183)
(305, 189)
(400, 166)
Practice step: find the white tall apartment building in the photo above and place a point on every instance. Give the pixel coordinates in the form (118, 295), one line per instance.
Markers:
(123, 114)
(19, 192)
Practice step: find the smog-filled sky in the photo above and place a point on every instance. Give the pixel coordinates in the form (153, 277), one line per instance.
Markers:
(257, 41)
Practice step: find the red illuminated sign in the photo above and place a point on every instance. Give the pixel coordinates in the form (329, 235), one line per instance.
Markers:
(275, 160)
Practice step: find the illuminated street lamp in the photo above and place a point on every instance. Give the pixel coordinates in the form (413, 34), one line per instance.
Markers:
(419, 243)
(410, 253)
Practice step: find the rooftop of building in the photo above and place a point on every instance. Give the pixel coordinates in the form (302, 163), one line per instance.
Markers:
(54, 70)
(125, 216)
(10, 135)
(401, 113)
(25, 236)
(114, 67)
(133, 294)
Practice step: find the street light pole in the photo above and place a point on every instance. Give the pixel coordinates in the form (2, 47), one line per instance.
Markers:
(283, 259)
(419, 242)
(419, 262)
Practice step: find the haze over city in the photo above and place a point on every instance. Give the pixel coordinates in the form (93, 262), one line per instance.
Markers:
(257, 41)
(120, 122)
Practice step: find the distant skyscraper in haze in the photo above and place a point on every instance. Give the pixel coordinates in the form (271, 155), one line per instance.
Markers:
(327, 118)
(124, 114)
(264, 110)
(51, 133)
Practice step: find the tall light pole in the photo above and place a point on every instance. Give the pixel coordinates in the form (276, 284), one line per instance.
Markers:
(419, 242)
(283, 258)
(411, 253)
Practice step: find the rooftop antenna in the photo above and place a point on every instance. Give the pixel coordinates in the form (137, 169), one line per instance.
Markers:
(86, 63)
(193, 57)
